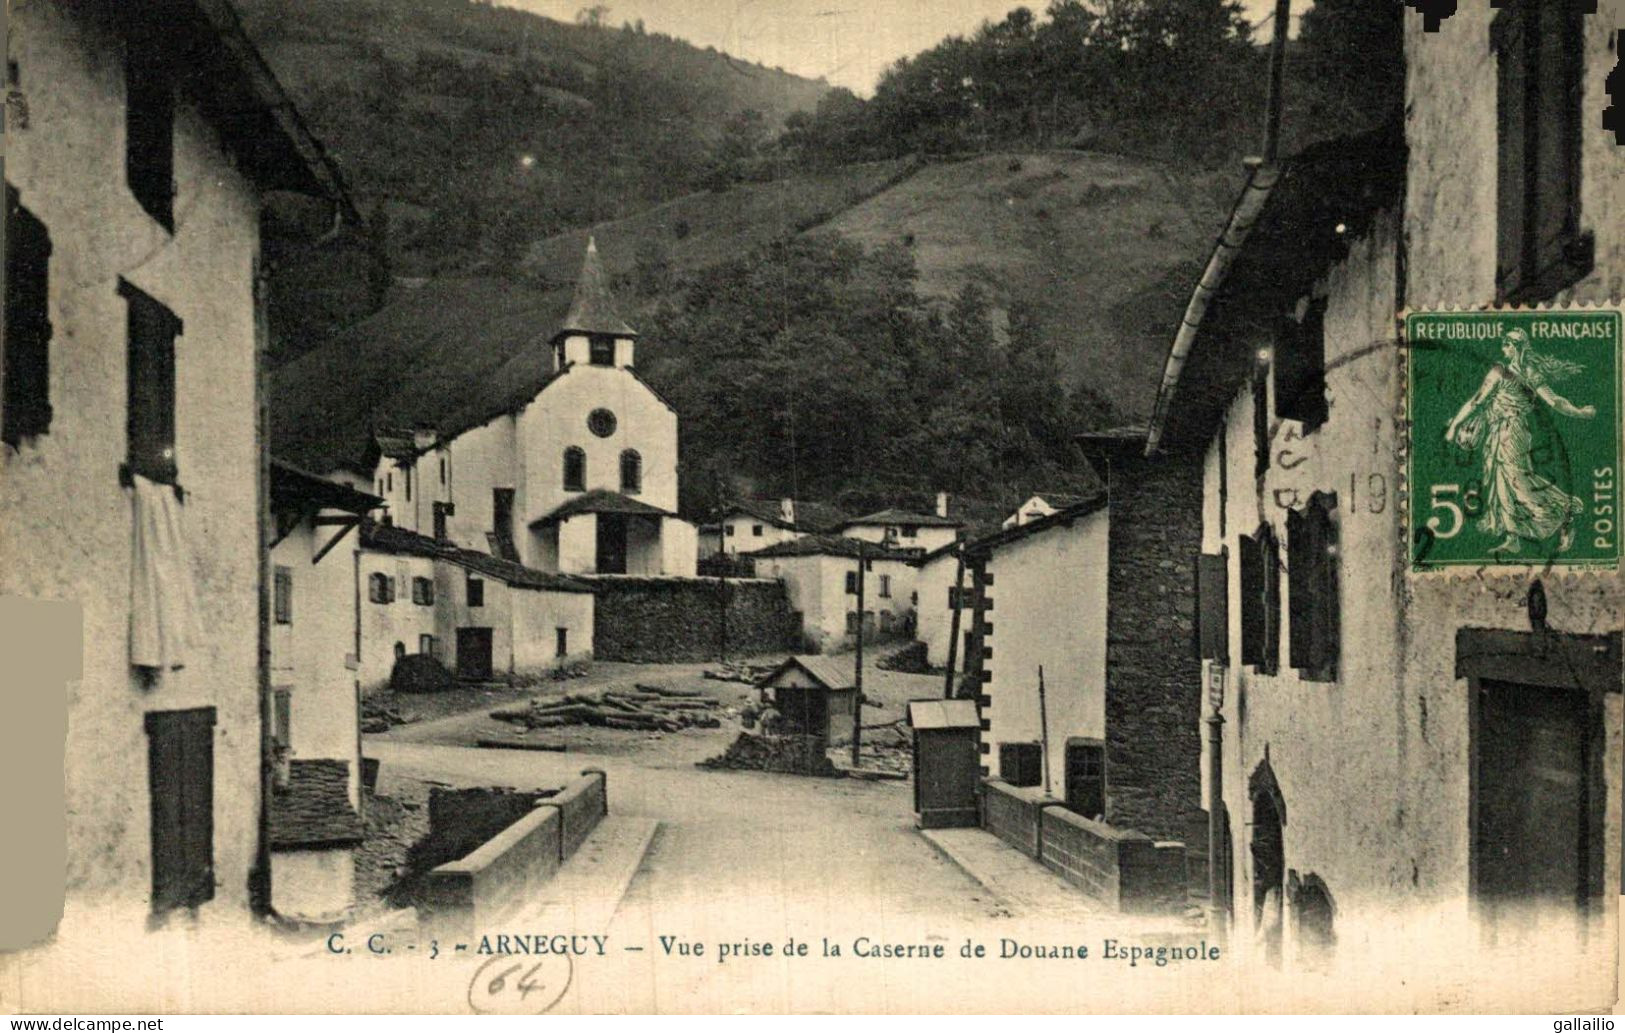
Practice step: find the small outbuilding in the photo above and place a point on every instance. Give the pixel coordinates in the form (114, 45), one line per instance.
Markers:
(946, 762)
(814, 695)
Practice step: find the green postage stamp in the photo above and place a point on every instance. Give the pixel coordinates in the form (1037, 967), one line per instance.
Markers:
(1514, 450)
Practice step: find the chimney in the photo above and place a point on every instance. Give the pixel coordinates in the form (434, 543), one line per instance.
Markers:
(787, 511)
(424, 435)
(942, 504)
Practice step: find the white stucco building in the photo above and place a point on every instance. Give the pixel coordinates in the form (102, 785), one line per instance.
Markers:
(483, 617)
(579, 479)
(900, 529)
(820, 575)
(316, 804)
(132, 470)
(1405, 758)
(1048, 580)
(935, 592)
(750, 525)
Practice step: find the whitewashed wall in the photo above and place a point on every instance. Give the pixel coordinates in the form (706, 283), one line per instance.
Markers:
(68, 522)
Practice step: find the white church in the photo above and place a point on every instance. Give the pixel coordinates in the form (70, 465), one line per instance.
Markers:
(580, 480)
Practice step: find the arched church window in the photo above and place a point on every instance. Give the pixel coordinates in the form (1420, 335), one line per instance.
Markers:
(575, 469)
(631, 472)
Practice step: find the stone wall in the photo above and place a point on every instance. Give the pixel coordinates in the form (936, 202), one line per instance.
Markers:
(1120, 868)
(1153, 678)
(678, 619)
(1012, 813)
(461, 819)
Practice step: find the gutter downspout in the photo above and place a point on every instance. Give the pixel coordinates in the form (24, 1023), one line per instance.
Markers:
(1262, 176)
(259, 891)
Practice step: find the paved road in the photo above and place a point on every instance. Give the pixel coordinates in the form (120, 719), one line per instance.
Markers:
(743, 855)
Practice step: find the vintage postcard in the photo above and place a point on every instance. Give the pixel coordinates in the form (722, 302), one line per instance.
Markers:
(772, 506)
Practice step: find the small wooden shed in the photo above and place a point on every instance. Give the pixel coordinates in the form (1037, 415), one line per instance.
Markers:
(946, 764)
(814, 695)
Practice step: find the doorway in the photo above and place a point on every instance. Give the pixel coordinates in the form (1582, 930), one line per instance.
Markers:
(1531, 839)
(474, 654)
(611, 543)
(1086, 777)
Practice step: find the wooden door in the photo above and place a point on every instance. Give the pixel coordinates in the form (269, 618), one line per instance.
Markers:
(1531, 840)
(474, 654)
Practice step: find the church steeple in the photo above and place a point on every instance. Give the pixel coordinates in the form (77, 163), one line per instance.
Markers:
(593, 309)
(593, 332)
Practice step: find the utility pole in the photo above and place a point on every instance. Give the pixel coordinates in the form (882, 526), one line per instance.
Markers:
(953, 625)
(722, 568)
(857, 676)
(1043, 729)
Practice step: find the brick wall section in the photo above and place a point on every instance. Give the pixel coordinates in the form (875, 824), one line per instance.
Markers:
(1119, 868)
(1153, 679)
(1012, 814)
(672, 619)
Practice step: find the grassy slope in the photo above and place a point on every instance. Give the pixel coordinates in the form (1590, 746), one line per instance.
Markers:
(1103, 249)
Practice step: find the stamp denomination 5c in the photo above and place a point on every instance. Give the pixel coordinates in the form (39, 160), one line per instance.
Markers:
(1514, 450)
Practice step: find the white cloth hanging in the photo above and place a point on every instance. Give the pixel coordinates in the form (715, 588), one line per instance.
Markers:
(163, 597)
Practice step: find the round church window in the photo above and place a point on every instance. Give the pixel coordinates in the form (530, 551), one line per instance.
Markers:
(601, 422)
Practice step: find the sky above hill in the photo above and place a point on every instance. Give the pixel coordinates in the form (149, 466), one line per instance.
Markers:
(848, 42)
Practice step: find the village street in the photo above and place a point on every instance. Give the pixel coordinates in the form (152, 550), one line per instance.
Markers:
(794, 848)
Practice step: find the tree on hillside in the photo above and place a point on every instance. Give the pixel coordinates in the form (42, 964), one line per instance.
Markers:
(592, 17)
(816, 366)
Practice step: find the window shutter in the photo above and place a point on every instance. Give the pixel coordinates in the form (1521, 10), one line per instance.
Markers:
(1300, 367)
(1213, 606)
(26, 407)
(180, 783)
(1252, 601)
(1325, 644)
(1261, 421)
(1270, 558)
(282, 721)
(283, 594)
(851, 582)
(149, 103)
(150, 402)
(1302, 572)
(1508, 35)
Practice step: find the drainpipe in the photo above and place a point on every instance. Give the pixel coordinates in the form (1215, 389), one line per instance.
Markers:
(259, 885)
(1262, 175)
(1217, 919)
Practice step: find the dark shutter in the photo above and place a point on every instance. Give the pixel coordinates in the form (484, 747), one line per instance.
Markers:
(1261, 420)
(561, 643)
(149, 122)
(1213, 606)
(26, 407)
(283, 594)
(1270, 559)
(1326, 639)
(1252, 601)
(851, 582)
(150, 403)
(180, 782)
(282, 716)
(1512, 66)
(1312, 550)
(1021, 763)
(1300, 367)
(476, 591)
(1301, 573)
(1540, 49)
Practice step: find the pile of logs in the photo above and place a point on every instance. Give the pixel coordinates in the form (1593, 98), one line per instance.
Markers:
(645, 708)
(738, 671)
(378, 716)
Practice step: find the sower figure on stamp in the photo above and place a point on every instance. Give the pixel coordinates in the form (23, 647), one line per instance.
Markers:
(1518, 502)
